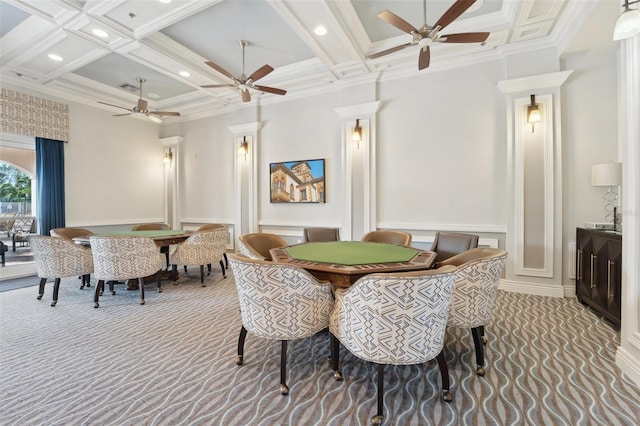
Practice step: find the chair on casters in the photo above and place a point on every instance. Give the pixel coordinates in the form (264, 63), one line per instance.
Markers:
(155, 227)
(477, 277)
(201, 248)
(209, 227)
(70, 234)
(279, 302)
(257, 245)
(59, 258)
(447, 244)
(316, 235)
(399, 238)
(394, 318)
(120, 258)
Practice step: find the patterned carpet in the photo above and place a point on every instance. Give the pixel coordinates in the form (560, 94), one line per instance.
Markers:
(171, 362)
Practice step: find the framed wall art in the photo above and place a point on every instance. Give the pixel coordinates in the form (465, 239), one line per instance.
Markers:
(297, 182)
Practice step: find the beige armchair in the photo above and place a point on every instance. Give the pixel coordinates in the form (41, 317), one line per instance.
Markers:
(477, 278)
(396, 318)
(59, 258)
(201, 248)
(279, 302)
(258, 244)
(155, 227)
(212, 226)
(389, 237)
(70, 233)
(447, 244)
(315, 235)
(119, 258)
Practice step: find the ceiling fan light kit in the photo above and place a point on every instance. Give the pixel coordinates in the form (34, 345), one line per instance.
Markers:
(141, 107)
(243, 82)
(427, 35)
(628, 23)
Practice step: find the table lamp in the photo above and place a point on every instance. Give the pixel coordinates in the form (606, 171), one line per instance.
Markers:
(609, 175)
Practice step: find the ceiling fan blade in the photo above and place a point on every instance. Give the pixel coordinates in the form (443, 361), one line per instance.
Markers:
(246, 97)
(273, 90)
(165, 113)
(396, 21)
(116, 106)
(221, 70)
(258, 74)
(121, 115)
(216, 86)
(386, 52)
(464, 38)
(424, 58)
(458, 8)
(142, 104)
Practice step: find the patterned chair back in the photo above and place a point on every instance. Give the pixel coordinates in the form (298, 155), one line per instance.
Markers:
(278, 301)
(396, 318)
(201, 248)
(389, 237)
(118, 258)
(477, 278)
(58, 257)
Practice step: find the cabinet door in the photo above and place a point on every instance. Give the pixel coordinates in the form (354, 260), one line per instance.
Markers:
(598, 277)
(614, 278)
(584, 243)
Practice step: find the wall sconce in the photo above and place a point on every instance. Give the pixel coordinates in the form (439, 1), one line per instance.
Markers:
(628, 23)
(244, 147)
(168, 157)
(356, 134)
(609, 175)
(533, 113)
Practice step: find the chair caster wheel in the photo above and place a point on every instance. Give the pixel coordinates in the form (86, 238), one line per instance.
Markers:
(96, 305)
(101, 293)
(446, 396)
(81, 287)
(377, 420)
(113, 293)
(480, 371)
(159, 290)
(484, 340)
(142, 302)
(88, 285)
(204, 285)
(53, 303)
(239, 360)
(39, 297)
(337, 375)
(284, 389)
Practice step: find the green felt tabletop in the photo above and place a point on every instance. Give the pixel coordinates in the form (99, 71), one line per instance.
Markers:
(351, 252)
(149, 234)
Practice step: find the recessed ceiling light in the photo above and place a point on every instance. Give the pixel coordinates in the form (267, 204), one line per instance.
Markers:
(185, 73)
(153, 95)
(165, 1)
(55, 57)
(100, 33)
(320, 30)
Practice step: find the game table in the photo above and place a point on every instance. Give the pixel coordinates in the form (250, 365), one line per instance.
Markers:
(344, 262)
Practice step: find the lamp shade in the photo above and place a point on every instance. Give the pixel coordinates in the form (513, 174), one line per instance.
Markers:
(627, 25)
(606, 174)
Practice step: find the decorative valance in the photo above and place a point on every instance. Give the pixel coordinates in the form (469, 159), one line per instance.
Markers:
(28, 115)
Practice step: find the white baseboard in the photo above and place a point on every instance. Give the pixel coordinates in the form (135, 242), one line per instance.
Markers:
(628, 364)
(533, 289)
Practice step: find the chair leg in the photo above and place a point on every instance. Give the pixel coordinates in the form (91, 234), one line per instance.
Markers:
(185, 269)
(378, 418)
(202, 276)
(208, 269)
(226, 260)
(43, 281)
(477, 342)
(243, 335)
(444, 375)
(174, 273)
(224, 272)
(141, 285)
(112, 287)
(335, 355)
(484, 338)
(96, 296)
(56, 289)
(284, 389)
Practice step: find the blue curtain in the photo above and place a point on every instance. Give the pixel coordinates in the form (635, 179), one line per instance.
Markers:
(50, 182)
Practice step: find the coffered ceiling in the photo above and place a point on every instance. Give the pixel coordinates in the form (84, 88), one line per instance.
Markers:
(158, 39)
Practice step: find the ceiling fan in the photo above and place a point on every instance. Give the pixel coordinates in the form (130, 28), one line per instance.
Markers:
(243, 82)
(141, 108)
(427, 35)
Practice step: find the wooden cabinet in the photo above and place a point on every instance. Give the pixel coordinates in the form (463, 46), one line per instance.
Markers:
(598, 271)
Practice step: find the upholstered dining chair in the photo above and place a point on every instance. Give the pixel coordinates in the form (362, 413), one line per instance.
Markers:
(70, 233)
(209, 227)
(155, 227)
(318, 235)
(390, 237)
(257, 245)
(394, 319)
(201, 248)
(477, 277)
(279, 302)
(447, 244)
(59, 258)
(123, 257)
